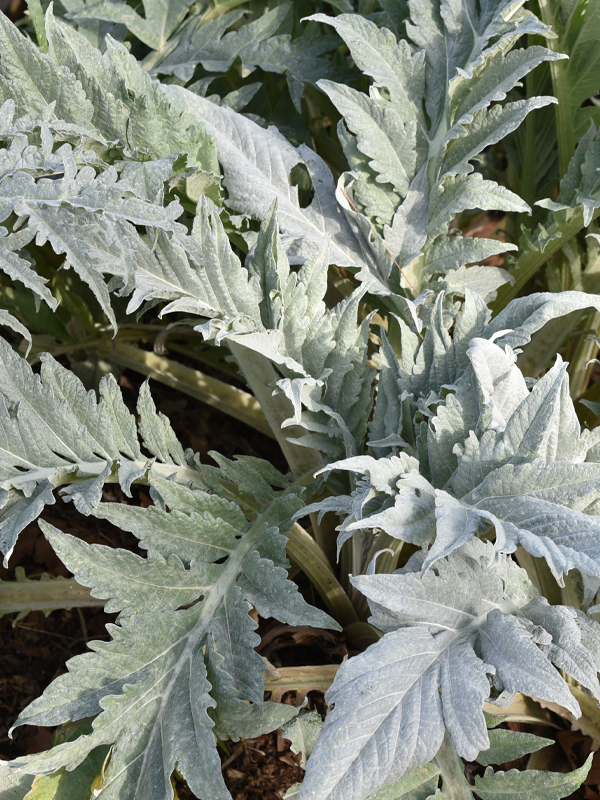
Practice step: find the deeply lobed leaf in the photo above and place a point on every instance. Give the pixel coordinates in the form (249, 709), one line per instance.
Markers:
(452, 636)
(181, 665)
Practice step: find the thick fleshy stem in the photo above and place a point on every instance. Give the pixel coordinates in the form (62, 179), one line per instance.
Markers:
(453, 772)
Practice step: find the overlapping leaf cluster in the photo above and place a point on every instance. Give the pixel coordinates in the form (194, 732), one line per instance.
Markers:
(462, 443)
(181, 666)
(89, 144)
(451, 636)
(56, 433)
(201, 41)
(462, 447)
(121, 175)
(411, 141)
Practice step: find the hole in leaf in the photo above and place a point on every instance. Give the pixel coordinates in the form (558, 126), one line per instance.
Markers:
(300, 178)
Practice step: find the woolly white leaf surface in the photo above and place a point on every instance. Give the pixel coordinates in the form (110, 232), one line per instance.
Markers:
(181, 665)
(451, 636)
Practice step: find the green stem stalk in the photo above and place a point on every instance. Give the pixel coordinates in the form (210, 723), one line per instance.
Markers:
(532, 260)
(560, 84)
(453, 771)
(586, 349)
(304, 551)
(527, 178)
(226, 398)
(261, 376)
(39, 595)
(570, 595)
(539, 574)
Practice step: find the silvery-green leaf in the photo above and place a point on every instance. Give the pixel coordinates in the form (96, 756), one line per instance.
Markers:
(14, 785)
(192, 44)
(391, 64)
(156, 432)
(158, 679)
(300, 59)
(461, 192)
(449, 254)
(470, 322)
(492, 81)
(395, 15)
(493, 720)
(326, 351)
(526, 315)
(89, 244)
(52, 431)
(303, 732)
(501, 385)
(484, 280)
(257, 164)
(450, 427)
(577, 177)
(219, 53)
(455, 524)
(457, 41)
(267, 308)
(128, 105)
(509, 745)
(417, 784)
(459, 67)
(452, 634)
(159, 21)
(239, 98)
(146, 179)
(536, 505)
(34, 81)
(533, 784)
(39, 145)
(17, 268)
(12, 322)
(207, 535)
(411, 518)
(407, 233)
(381, 134)
(435, 365)
(488, 127)
(266, 586)
(542, 424)
(132, 583)
(509, 644)
(392, 416)
(391, 674)
(88, 217)
(568, 650)
(248, 721)
(181, 662)
(71, 50)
